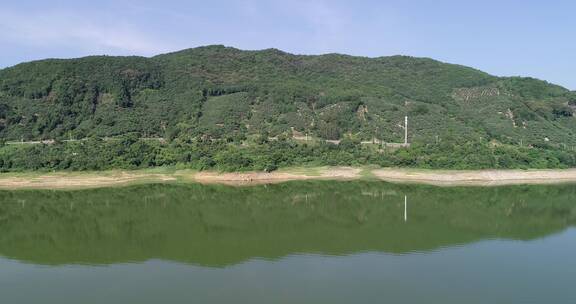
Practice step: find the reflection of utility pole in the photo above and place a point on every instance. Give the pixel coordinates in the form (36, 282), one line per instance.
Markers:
(405, 208)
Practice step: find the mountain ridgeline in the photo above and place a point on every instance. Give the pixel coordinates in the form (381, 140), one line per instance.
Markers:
(218, 91)
(222, 93)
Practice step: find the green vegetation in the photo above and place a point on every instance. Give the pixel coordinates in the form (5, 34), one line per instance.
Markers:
(132, 153)
(224, 108)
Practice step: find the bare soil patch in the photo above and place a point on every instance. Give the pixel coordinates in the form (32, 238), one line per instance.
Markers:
(72, 180)
(480, 177)
(275, 177)
(69, 180)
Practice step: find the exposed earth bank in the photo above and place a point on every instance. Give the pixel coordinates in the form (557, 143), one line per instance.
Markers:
(74, 180)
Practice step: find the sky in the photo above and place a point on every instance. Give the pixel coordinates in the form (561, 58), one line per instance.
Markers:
(505, 37)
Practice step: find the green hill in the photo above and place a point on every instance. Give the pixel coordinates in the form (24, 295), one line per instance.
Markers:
(220, 92)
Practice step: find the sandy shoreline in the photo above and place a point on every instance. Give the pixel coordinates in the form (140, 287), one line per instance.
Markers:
(246, 178)
(74, 180)
(477, 178)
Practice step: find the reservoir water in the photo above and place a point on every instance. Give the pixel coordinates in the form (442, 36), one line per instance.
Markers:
(296, 242)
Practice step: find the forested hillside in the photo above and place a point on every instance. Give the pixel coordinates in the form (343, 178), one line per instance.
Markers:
(217, 93)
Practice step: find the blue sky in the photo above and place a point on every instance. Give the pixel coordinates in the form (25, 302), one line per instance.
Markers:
(526, 38)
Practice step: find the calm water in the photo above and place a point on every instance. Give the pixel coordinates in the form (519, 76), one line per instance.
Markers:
(300, 242)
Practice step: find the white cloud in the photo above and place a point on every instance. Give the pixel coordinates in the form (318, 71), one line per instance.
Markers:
(87, 33)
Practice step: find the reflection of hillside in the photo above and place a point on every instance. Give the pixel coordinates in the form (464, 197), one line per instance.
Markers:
(219, 225)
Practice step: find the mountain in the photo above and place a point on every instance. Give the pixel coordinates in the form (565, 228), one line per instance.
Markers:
(217, 91)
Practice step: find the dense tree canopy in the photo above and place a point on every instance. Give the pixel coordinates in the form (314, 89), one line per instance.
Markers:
(129, 152)
(210, 103)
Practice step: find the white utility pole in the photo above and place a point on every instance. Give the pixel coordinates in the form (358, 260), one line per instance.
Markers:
(405, 130)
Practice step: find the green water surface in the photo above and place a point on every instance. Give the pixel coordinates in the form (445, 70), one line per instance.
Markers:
(297, 242)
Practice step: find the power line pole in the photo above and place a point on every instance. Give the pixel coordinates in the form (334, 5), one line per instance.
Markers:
(405, 130)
